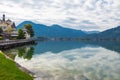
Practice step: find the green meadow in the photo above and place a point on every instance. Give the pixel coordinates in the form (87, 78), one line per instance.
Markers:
(9, 70)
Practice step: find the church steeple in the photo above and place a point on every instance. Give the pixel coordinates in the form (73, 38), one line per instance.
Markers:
(3, 17)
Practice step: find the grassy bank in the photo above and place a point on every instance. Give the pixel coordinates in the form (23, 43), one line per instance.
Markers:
(9, 70)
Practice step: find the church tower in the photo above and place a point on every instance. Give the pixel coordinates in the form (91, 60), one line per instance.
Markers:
(3, 17)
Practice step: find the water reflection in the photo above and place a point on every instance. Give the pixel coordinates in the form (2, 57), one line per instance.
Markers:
(114, 46)
(87, 63)
(71, 60)
(56, 47)
(25, 52)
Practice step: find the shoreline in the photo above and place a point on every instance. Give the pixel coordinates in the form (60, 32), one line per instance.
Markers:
(25, 70)
(15, 43)
(13, 69)
(21, 67)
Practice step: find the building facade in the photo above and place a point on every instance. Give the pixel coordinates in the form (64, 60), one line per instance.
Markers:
(8, 27)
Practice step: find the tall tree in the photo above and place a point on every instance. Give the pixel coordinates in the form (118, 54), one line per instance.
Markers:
(29, 29)
(21, 34)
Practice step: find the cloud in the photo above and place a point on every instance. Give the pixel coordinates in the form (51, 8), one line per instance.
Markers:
(103, 14)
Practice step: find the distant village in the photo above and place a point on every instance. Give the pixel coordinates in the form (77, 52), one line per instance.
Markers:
(8, 29)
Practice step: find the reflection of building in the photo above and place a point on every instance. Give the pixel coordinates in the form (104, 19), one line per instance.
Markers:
(8, 27)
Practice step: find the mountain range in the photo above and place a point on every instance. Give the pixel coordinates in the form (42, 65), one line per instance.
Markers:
(53, 31)
(57, 31)
(113, 33)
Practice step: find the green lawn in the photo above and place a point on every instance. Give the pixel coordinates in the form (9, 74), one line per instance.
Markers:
(9, 71)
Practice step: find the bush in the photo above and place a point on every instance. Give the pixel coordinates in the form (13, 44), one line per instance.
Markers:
(21, 34)
(1, 38)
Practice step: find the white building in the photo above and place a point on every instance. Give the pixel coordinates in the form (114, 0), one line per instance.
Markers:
(27, 35)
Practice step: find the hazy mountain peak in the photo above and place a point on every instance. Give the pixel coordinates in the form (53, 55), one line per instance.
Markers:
(56, 25)
(110, 33)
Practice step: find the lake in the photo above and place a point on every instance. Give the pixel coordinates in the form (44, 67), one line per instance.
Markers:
(70, 60)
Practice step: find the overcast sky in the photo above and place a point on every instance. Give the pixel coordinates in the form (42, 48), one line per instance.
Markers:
(77, 14)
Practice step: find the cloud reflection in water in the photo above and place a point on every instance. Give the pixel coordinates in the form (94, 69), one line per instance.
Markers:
(86, 63)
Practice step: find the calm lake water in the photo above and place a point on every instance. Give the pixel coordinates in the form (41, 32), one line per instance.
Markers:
(70, 60)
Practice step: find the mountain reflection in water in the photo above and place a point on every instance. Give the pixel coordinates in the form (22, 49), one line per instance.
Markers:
(70, 60)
